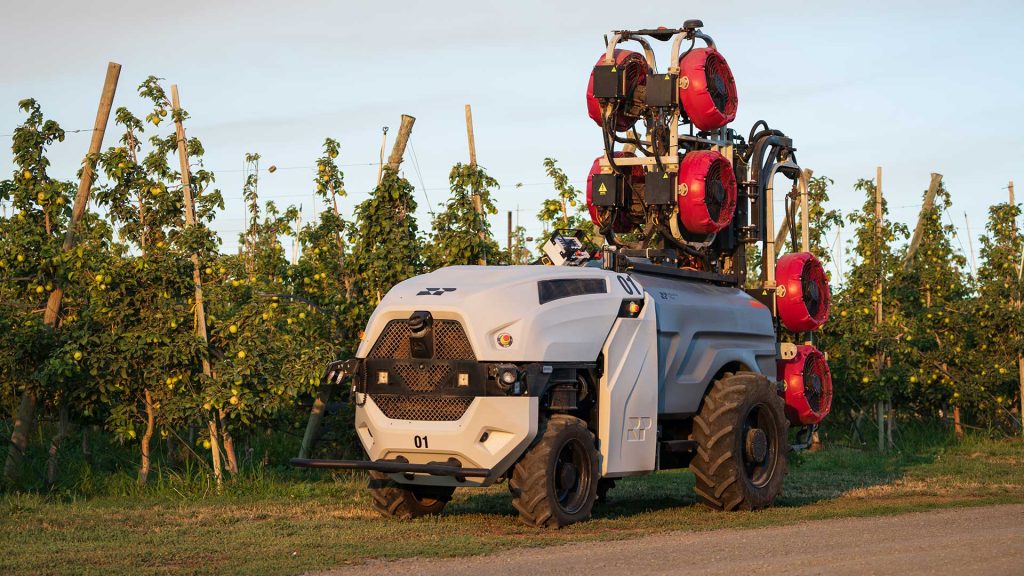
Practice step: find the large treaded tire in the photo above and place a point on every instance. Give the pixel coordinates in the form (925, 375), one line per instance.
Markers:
(543, 491)
(728, 472)
(395, 500)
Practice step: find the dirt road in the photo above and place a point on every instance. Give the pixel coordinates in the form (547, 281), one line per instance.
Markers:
(960, 541)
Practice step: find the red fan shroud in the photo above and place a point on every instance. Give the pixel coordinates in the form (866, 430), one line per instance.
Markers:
(808, 393)
(706, 192)
(598, 214)
(707, 90)
(628, 110)
(803, 295)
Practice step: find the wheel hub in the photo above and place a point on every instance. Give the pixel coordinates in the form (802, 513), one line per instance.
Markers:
(567, 476)
(756, 445)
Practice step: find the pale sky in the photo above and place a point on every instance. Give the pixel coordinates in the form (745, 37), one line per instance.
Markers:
(916, 87)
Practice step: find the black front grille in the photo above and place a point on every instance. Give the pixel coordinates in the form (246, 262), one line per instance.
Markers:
(450, 341)
(424, 380)
(422, 408)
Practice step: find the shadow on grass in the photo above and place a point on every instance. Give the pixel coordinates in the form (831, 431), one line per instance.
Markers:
(813, 477)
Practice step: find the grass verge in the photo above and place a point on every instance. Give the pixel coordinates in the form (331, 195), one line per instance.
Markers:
(289, 525)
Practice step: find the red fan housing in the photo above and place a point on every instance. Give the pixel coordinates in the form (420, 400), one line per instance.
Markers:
(627, 111)
(706, 192)
(808, 392)
(707, 90)
(598, 214)
(803, 295)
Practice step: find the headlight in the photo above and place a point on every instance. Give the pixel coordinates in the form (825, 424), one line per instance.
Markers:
(508, 375)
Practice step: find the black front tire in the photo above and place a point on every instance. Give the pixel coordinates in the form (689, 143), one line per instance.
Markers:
(405, 502)
(742, 438)
(555, 483)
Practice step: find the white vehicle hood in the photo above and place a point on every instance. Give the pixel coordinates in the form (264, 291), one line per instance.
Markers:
(493, 300)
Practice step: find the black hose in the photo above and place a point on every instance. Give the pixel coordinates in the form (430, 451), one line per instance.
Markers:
(666, 233)
(753, 129)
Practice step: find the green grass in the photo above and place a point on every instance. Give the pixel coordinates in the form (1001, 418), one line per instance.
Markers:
(284, 523)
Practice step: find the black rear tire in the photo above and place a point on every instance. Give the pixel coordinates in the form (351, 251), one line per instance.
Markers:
(555, 483)
(404, 501)
(742, 438)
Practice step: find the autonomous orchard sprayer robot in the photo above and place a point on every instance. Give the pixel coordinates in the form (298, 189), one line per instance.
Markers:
(651, 354)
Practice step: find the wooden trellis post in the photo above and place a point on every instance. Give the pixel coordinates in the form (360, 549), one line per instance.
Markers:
(200, 311)
(929, 203)
(1020, 358)
(477, 204)
(878, 300)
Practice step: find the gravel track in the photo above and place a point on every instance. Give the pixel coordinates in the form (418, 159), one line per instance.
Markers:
(988, 540)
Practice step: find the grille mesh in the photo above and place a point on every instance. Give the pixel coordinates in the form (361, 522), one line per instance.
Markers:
(450, 341)
(423, 408)
(393, 342)
(425, 380)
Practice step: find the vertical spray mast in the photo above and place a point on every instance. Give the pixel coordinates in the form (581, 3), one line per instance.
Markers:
(679, 192)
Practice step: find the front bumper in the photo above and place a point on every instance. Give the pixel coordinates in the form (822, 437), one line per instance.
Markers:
(490, 436)
(451, 467)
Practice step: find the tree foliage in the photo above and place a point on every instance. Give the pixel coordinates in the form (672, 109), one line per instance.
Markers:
(456, 230)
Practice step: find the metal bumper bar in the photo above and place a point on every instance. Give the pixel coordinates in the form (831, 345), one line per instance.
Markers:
(394, 466)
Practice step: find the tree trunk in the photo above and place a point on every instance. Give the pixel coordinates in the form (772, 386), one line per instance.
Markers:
(215, 451)
(229, 447)
(146, 438)
(86, 446)
(52, 464)
(23, 422)
(957, 426)
(171, 448)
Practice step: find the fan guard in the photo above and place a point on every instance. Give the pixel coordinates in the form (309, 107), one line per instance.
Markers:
(803, 296)
(808, 392)
(706, 192)
(707, 89)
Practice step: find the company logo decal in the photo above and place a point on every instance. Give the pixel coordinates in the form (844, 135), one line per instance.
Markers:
(434, 291)
(637, 427)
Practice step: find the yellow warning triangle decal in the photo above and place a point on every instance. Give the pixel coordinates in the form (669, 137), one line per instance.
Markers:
(666, 77)
(614, 69)
(602, 189)
(664, 175)
(764, 293)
